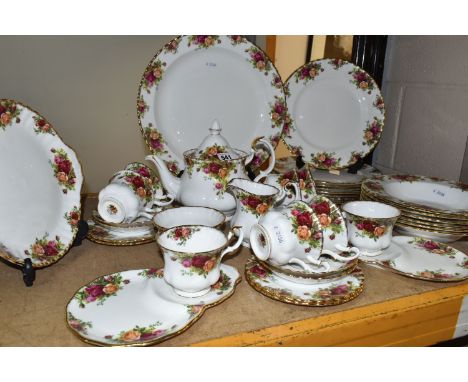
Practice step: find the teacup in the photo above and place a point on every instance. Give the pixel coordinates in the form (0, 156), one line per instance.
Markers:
(129, 196)
(370, 225)
(192, 257)
(178, 216)
(333, 226)
(253, 200)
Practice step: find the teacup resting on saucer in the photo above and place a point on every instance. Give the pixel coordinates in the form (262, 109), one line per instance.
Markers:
(192, 257)
(370, 225)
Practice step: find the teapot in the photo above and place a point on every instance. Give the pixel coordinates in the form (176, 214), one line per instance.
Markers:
(208, 170)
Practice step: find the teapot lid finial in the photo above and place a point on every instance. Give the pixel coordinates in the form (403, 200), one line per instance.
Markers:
(215, 128)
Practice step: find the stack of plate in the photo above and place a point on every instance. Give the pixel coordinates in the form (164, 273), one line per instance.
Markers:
(291, 284)
(343, 187)
(430, 207)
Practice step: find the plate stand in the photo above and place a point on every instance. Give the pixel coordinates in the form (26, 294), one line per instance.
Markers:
(353, 169)
(29, 272)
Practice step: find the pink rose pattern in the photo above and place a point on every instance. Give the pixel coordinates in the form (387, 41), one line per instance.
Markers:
(172, 46)
(237, 39)
(434, 247)
(155, 140)
(362, 80)
(73, 217)
(334, 291)
(100, 289)
(77, 324)
(46, 249)
(140, 334)
(142, 107)
(428, 274)
(223, 284)
(370, 228)
(325, 160)
(195, 265)
(153, 74)
(337, 63)
(217, 170)
(203, 41)
(259, 60)
(279, 113)
(372, 132)
(42, 126)
(63, 170)
(9, 112)
(308, 72)
(328, 216)
(182, 234)
(142, 186)
(152, 273)
(379, 103)
(305, 226)
(254, 204)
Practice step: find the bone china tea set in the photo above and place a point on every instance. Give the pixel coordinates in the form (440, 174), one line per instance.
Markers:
(205, 202)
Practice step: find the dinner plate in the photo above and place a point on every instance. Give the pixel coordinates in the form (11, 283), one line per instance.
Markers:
(40, 188)
(138, 308)
(194, 80)
(421, 232)
(428, 260)
(334, 292)
(337, 113)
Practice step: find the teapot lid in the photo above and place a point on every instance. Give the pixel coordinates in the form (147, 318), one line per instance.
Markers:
(216, 144)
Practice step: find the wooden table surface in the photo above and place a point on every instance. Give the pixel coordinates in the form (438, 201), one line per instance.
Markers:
(392, 310)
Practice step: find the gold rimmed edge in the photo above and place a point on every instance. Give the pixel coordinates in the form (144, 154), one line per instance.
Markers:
(311, 276)
(413, 276)
(13, 260)
(158, 340)
(269, 292)
(120, 243)
(365, 195)
(371, 148)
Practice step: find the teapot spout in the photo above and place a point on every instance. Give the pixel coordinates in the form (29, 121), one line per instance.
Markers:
(170, 182)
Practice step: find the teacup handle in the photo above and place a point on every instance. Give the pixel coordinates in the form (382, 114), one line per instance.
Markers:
(261, 141)
(295, 187)
(238, 242)
(158, 200)
(356, 252)
(307, 267)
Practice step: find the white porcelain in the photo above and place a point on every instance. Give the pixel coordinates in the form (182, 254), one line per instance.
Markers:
(442, 237)
(370, 225)
(333, 292)
(289, 189)
(129, 196)
(428, 260)
(253, 200)
(337, 113)
(193, 80)
(39, 190)
(334, 230)
(428, 194)
(138, 308)
(104, 234)
(192, 257)
(178, 216)
(208, 171)
(138, 228)
(289, 235)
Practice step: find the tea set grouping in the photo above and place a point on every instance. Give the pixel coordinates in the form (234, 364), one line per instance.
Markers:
(306, 228)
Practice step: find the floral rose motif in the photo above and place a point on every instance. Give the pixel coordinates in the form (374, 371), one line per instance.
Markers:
(45, 248)
(256, 205)
(362, 80)
(306, 229)
(151, 273)
(130, 336)
(379, 103)
(171, 46)
(203, 41)
(101, 289)
(236, 39)
(303, 232)
(259, 60)
(337, 63)
(369, 228)
(373, 132)
(153, 74)
(73, 217)
(340, 289)
(325, 160)
(433, 246)
(308, 72)
(42, 126)
(182, 234)
(259, 271)
(9, 112)
(63, 169)
(77, 324)
(324, 220)
(405, 178)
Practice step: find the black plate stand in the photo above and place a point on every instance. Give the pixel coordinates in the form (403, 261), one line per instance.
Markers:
(29, 272)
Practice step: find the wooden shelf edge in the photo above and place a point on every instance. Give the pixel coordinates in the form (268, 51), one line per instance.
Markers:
(417, 320)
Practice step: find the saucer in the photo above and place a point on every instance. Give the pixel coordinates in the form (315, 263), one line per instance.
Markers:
(334, 292)
(138, 308)
(426, 259)
(101, 234)
(390, 253)
(296, 274)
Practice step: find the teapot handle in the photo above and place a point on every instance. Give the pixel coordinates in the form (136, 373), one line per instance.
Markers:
(261, 141)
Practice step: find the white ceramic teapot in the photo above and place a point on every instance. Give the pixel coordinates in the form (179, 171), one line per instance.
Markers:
(208, 170)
